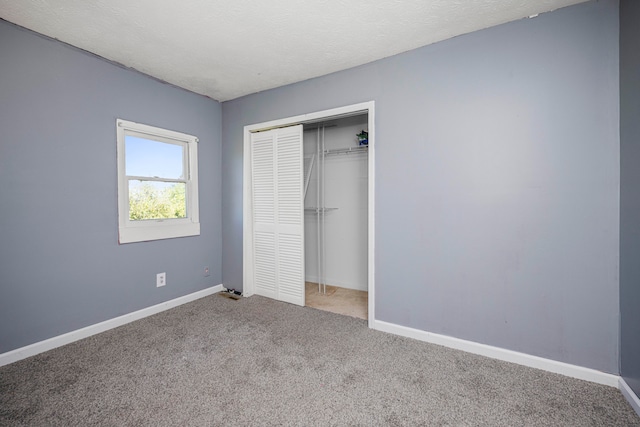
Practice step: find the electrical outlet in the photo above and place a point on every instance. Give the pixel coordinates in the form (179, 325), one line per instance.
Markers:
(206, 272)
(161, 279)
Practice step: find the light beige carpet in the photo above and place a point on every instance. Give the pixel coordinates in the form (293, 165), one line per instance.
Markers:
(348, 302)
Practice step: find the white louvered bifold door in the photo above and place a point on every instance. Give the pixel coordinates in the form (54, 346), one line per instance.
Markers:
(278, 214)
(264, 215)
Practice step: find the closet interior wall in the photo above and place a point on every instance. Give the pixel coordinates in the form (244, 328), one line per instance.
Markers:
(336, 204)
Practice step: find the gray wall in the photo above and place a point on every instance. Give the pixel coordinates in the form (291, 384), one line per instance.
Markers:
(630, 193)
(497, 178)
(61, 267)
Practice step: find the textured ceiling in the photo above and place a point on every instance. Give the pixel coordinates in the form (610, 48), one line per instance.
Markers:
(229, 48)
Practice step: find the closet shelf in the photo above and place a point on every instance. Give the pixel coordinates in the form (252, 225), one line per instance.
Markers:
(320, 210)
(347, 150)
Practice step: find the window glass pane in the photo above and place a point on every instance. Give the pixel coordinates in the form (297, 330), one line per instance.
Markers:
(156, 200)
(145, 157)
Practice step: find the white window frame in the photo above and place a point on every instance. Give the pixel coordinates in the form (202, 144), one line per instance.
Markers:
(156, 229)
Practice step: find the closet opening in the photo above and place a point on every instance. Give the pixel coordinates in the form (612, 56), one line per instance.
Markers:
(308, 217)
(335, 154)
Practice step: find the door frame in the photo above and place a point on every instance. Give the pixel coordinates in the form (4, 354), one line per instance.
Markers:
(247, 212)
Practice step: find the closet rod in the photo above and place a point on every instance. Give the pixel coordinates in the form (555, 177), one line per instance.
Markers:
(319, 210)
(347, 150)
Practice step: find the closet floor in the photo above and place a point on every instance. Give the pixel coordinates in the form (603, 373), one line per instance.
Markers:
(348, 302)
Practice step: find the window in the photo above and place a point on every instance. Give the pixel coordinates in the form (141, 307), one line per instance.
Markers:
(157, 183)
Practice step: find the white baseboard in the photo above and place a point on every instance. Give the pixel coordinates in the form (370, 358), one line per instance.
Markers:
(69, 337)
(524, 359)
(629, 394)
